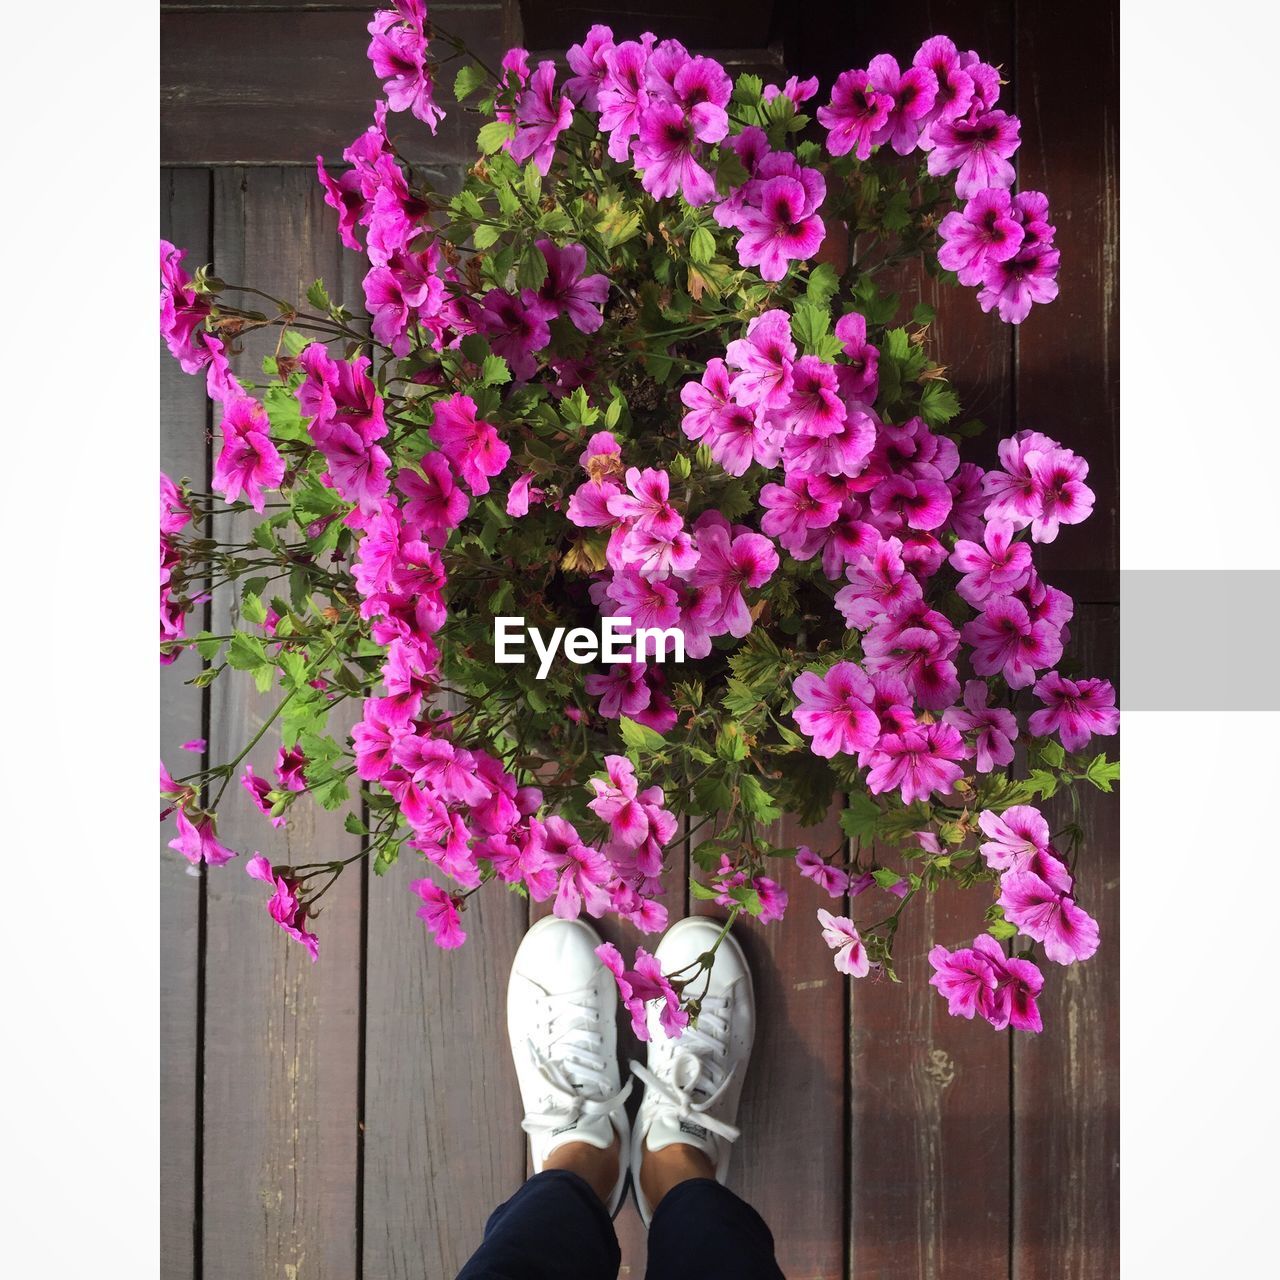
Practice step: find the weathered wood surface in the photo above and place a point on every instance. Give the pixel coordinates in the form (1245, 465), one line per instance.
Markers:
(282, 1036)
(184, 220)
(933, 1147)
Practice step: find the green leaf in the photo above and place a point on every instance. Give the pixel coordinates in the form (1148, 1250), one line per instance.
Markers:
(252, 609)
(494, 371)
(748, 90)
(823, 285)
(1002, 929)
(494, 134)
(245, 652)
(1103, 772)
(318, 297)
(885, 877)
(897, 213)
(354, 825)
(532, 183)
(702, 891)
(757, 801)
(922, 313)
(467, 81)
(486, 236)
(861, 816)
(730, 745)
(475, 347)
(702, 245)
(810, 324)
(639, 737)
(532, 270)
(938, 403)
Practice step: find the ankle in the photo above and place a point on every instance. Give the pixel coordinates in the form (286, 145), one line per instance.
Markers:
(668, 1167)
(597, 1168)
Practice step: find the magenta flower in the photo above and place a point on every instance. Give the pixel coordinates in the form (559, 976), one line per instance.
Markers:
(765, 357)
(997, 568)
(398, 294)
(357, 469)
(291, 763)
(434, 505)
(472, 446)
(1047, 915)
(541, 117)
(182, 311)
(284, 906)
(979, 146)
(198, 841)
(878, 586)
(1018, 983)
(1014, 837)
(259, 790)
(784, 228)
(440, 911)
(623, 97)
(993, 728)
(856, 116)
(796, 511)
(398, 52)
(1061, 495)
(815, 407)
(964, 977)
(834, 881)
(566, 290)
(839, 934)
(986, 232)
(912, 93)
(737, 435)
(835, 710)
(668, 154)
(859, 376)
(588, 61)
(729, 564)
(646, 504)
(773, 899)
(1074, 709)
(799, 91)
(643, 983)
(1013, 285)
(918, 762)
(954, 87)
(248, 462)
(1005, 639)
(515, 330)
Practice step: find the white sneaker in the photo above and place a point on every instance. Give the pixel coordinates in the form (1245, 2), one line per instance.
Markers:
(562, 1021)
(693, 1083)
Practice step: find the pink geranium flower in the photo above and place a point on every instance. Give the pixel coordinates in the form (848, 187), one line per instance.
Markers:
(588, 62)
(647, 503)
(878, 586)
(796, 511)
(669, 154)
(784, 227)
(623, 96)
(259, 790)
(833, 880)
(567, 290)
(434, 504)
(248, 462)
(859, 375)
(472, 446)
(198, 841)
(1074, 709)
(729, 564)
(638, 985)
(440, 911)
(1018, 983)
(616, 803)
(912, 93)
(918, 762)
(965, 977)
(1012, 285)
(998, 567)
(291, 763)
(856, 116)
(1006, 640)
(985, 232)
(284, 906)
(516, 331)
(765, 357)
(839, 934)
(398, 52)
(979, 146)
(993, 728)
(835, 710)
(182, 311)
(1047, 915)
(541, 117)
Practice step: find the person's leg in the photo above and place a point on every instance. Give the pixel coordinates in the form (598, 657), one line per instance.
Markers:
(554, 1228)
(702, 1231)
(561, 1019)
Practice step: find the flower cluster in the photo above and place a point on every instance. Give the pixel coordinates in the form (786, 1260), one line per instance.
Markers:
(612, 378)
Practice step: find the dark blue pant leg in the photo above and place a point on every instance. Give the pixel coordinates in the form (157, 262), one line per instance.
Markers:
(553, 1228)
(702, 1231)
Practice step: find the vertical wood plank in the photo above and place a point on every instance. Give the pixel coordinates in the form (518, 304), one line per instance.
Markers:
(184, 220)
(443, 1143)
(1067, 1079)
(282, 1035)
(790, 1161)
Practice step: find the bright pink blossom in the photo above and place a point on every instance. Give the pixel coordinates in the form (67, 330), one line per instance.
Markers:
(440, 911)
(541, 117)
(993, 728)
(835, 710)
(857, 114)
(198, 841)
(918, 762)
(1074, 709)
(1047, 915)
(833, 880)
(839, 933)
(472, 446)
(248, 462)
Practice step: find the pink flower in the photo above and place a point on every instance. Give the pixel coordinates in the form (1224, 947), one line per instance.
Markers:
(918, 762)
(784, 228)
(434, 503)
(1061, 495)
(835, 710)
(646, 504)
(878, 586)
(1005, 639)
(623, 97)
(979, 146)
(440, 911)
(398, 52)
(291, 763)
(516, 332)
(182, 311)
(765, 357)
(259, 790)
(1046, 915)
(815, 407)
(833, 880)
(284, 906)
(522, 494)
(588, 505)
(997, 568)
(1018, 840)
(860, 374)
(541, 118)
(984, 233)
(1074, 709)
(840, 935)
(616, 803)
(955, 88)
(730, 564)
(612, 960)
(567, 290)
(472, 446)
(248, 461)
(736, 434)
(589, 63)
(965, 977)
(796, 511)
(773, 899)
(1018, 983)
(994, 728)
(856, 115)
(198, 842)
(357, 469)
(1014, 284)
(668, 154)
(912, 93)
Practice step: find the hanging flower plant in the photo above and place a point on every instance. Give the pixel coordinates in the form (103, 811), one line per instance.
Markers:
(617, 409)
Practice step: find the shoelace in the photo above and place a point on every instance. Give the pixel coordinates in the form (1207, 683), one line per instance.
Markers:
(572, 1065)
(693, 1069)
